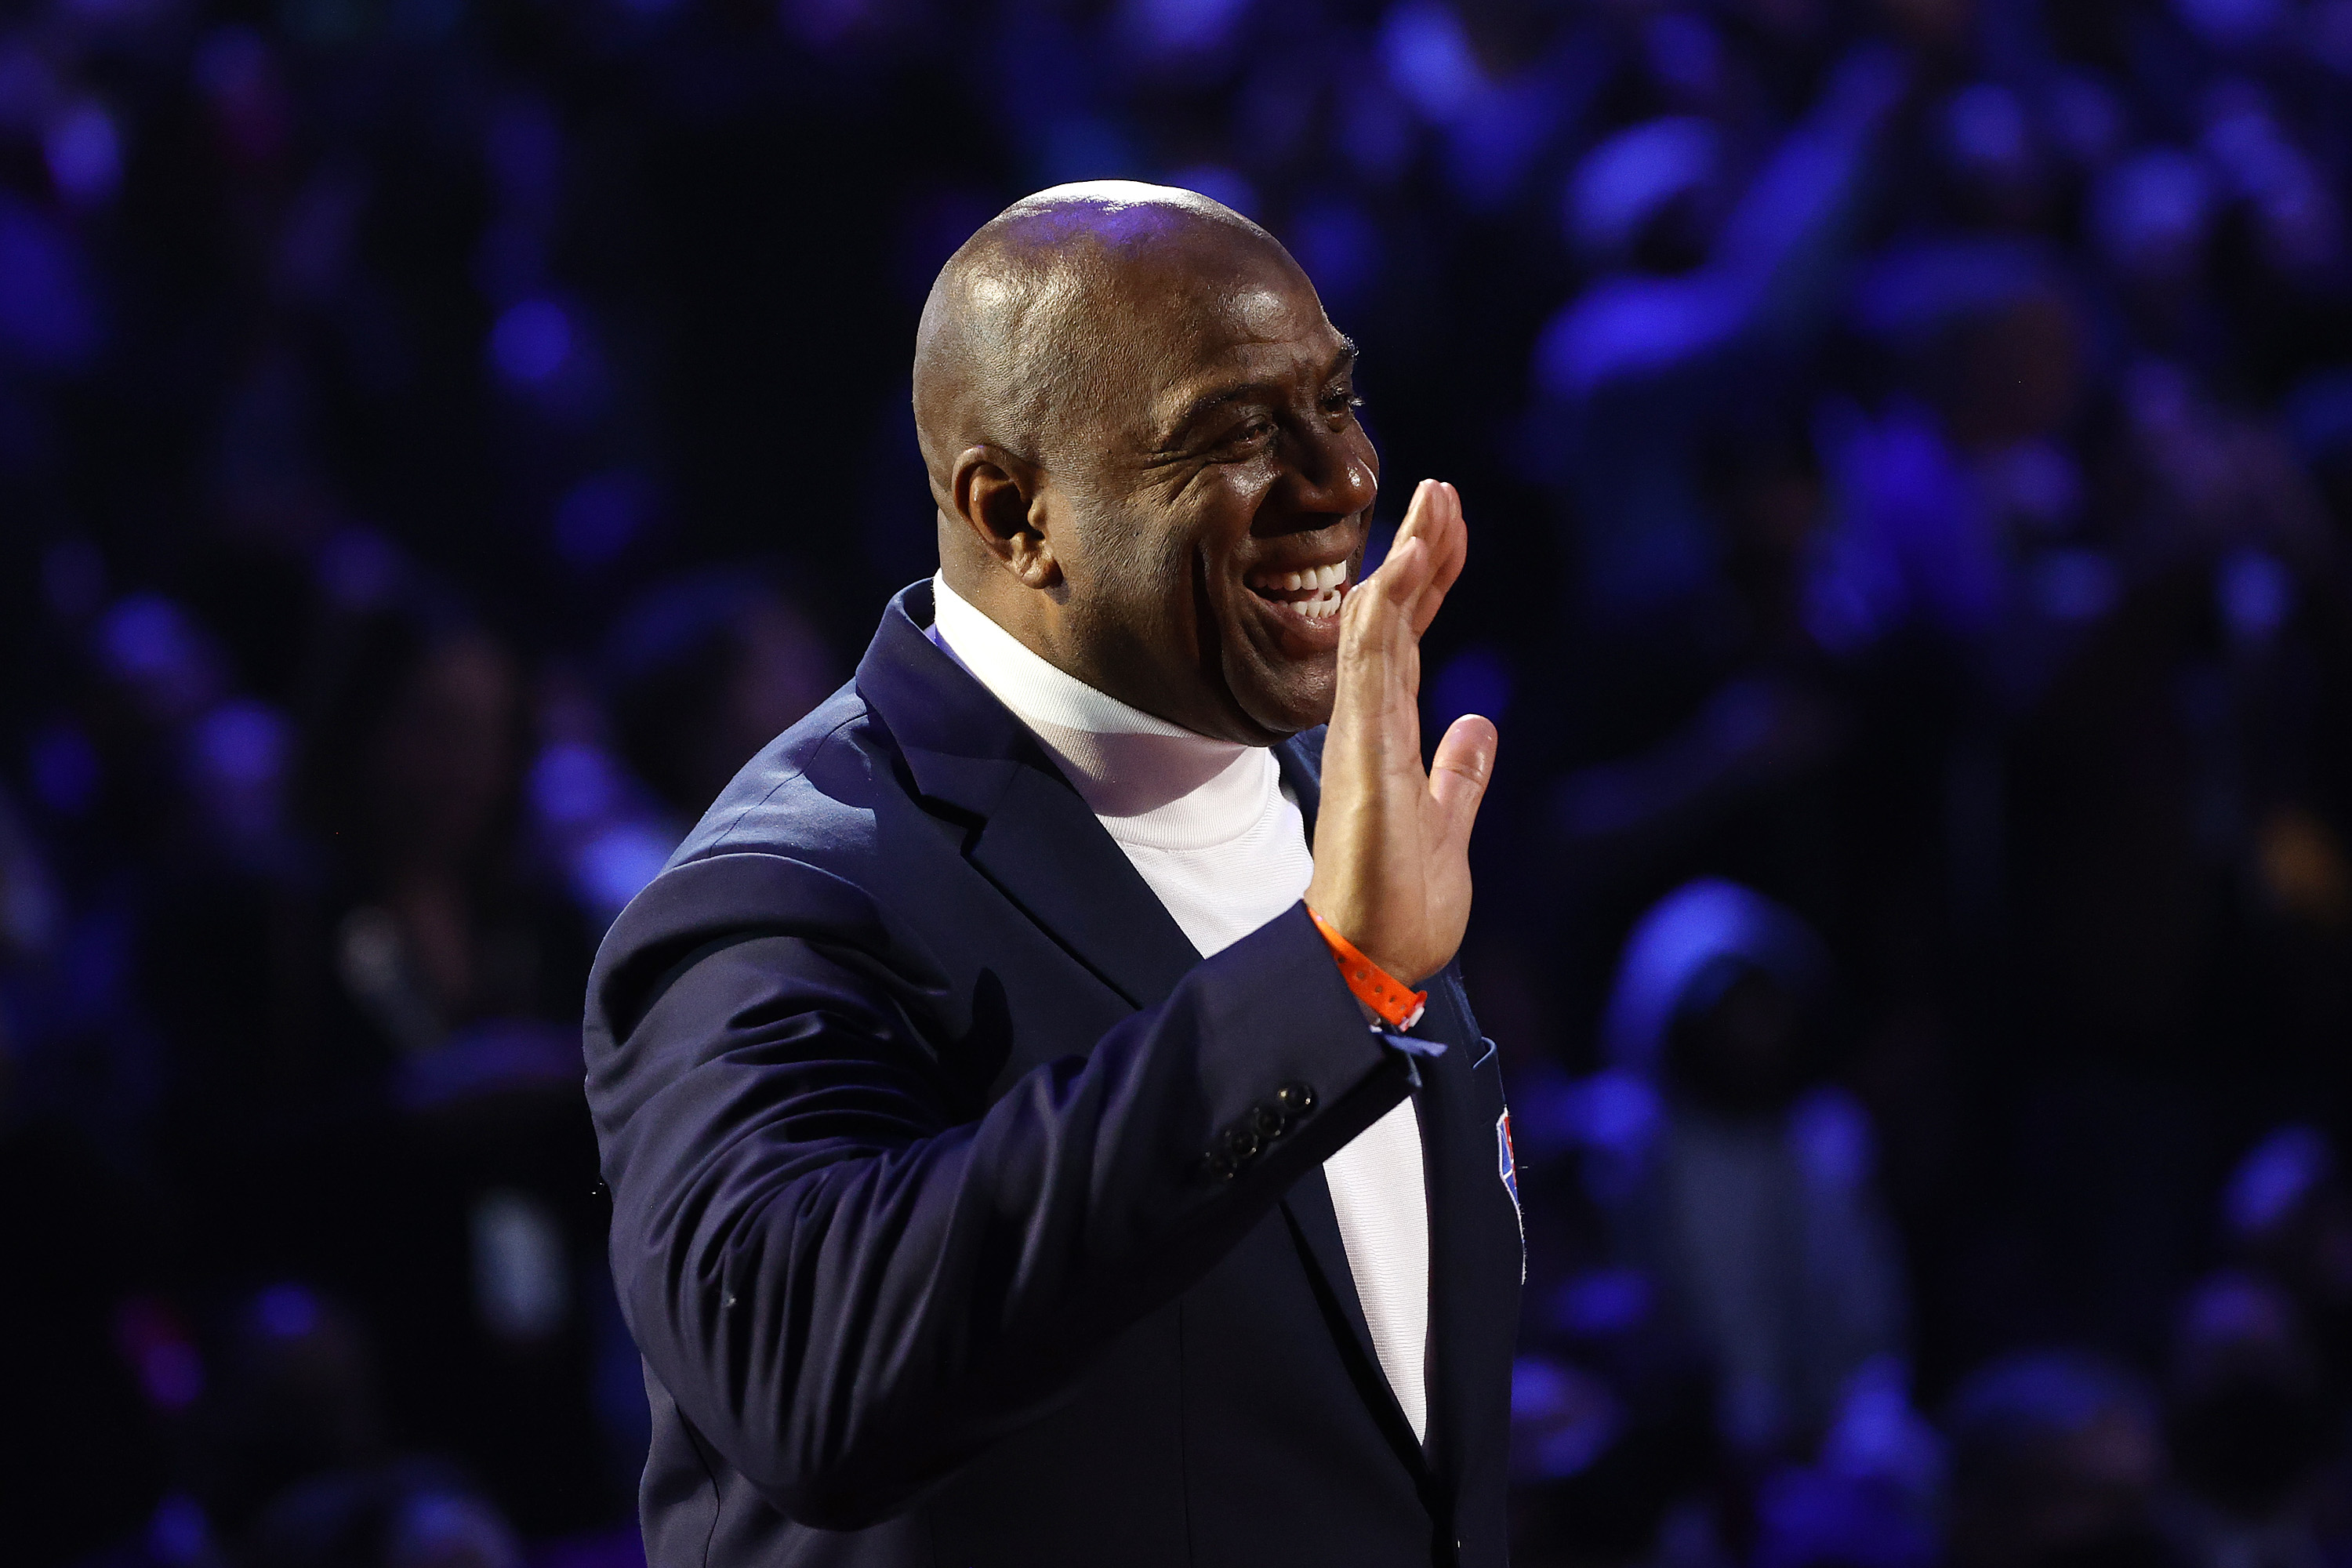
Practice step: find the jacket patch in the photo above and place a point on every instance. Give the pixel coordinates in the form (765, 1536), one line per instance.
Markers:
(1506, 1163)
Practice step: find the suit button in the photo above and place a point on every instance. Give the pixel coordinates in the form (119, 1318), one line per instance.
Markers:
(1295, 1098)
(1267, 1122)
(1241, 1144)
(1224, 1170)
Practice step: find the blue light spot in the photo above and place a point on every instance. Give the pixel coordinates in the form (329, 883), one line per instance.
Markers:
(614, 866)
(1339, 247)
(524, 150)
(532, 342)
(180, 1534)
(2256, 595)
(1476, 680)
(2076, 585)
(147, 641)
(1187, 26)
(1218, 184)
(1684, 52)
(244, 744)
(1563, 1418)
(287, 1311)
(2283, 1170)
(601, 515)
(65, 771)
(1604, 1301)
(1629, 178)
(46, 317)
(1082, 147)
(574, 785)
(2152, 213)
(1429, 59)
(1987, 129)
(85, 153)
(1376, 132)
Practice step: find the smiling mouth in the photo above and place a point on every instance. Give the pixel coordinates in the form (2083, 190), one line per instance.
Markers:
(1314, 591)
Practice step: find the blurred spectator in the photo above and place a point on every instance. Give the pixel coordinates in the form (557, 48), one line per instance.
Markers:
(404, 1516)
(2250, 1426)
(2287, 1214)
(81, 1449)
(412, 770)
(706, 670)
(2056, 1458)
(1745, 1185)
(292, 1394)
(450, 971)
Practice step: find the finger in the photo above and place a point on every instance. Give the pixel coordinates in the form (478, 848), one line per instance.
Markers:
(1403, 577)
(1416, 516)
(1457, 540)
(1458, 774)
(1449, 541)
(1374, 627)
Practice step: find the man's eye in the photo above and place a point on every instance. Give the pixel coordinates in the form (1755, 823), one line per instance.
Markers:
(1257, 430)
(1341, 402)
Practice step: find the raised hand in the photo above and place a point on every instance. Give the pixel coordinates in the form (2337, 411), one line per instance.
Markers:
(1391, 840)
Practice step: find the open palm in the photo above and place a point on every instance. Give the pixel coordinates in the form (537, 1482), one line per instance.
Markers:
(1393, 839)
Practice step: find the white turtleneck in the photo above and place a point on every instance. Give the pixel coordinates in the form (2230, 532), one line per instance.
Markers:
(1209, 826)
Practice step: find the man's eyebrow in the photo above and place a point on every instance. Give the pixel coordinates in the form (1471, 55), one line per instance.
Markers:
(1210, 401)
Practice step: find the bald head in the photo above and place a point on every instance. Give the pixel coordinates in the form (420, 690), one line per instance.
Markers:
(1141, 434)
(1032, 325)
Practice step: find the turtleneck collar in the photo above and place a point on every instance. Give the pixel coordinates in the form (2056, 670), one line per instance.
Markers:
(1151, 782)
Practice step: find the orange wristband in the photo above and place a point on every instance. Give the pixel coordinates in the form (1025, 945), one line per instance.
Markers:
(1398, 1008)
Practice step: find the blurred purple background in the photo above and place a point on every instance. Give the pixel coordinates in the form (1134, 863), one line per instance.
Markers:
(1909, 446)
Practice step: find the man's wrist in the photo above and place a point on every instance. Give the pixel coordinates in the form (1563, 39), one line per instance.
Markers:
(1385, 998)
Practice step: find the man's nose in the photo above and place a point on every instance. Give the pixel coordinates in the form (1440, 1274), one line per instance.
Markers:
(1332, 472)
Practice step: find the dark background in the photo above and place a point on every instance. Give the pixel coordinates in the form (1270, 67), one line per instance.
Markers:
(1909, 450)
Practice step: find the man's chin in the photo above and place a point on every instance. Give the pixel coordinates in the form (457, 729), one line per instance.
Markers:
(1278, 709)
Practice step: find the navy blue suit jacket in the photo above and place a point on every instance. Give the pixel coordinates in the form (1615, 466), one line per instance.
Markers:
(960, 1212)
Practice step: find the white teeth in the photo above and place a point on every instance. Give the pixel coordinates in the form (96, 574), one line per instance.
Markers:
(1327, 584)
(1324, 606)
(1315, 578)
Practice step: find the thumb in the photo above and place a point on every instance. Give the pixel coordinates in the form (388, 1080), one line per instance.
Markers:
(1459, 773)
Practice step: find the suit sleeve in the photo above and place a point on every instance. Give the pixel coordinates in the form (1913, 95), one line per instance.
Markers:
(846, 1289)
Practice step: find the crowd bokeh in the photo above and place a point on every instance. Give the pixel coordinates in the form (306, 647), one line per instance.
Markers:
(1909, 448)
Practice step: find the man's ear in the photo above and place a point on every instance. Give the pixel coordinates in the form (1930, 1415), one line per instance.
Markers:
(1001, 498)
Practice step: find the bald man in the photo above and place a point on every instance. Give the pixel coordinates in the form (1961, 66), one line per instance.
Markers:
(1006, 1172)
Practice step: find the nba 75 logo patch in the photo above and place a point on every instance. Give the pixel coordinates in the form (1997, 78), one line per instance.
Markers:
(1506, 1163)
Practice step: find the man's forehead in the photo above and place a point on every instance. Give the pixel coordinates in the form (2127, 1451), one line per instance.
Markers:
(1232, 331)
(1213, 371)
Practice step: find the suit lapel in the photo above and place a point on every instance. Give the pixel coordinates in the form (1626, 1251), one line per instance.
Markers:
(1034, 837)
(1050, 856)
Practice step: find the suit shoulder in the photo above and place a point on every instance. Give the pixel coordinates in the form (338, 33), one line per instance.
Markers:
(811, 794)
(810, 841)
